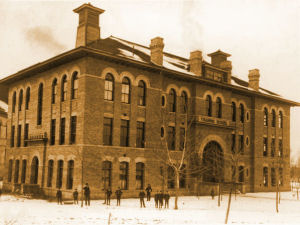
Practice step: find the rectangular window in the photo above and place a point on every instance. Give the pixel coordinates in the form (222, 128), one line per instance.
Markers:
(52, 131)
(265, 176)
(182, 138)
(23, 173)
(280, 148)
(233, 143)
(139, 176)
(265, 148)
(59, 177)
(12, 138)
(273, 177)
(62, 131)
(140, 135)
(124, 175)
(16, 178)
(241, 144)
(19, 136)
(273, 147)
(171, 178)
(106, 174)
(73, 130)
(26, 131)
(107, 131)
(171, 138)
(182, 177)
(241, 174)
(124, 133)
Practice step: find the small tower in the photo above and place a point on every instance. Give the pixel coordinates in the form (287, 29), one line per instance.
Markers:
(88, 29)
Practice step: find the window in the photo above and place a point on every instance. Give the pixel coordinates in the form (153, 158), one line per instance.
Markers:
(27, 98)
(60, 169)
(19, 135)
(265, 117)
(9, 175)
(273, 118)
(233, 111)
(182, 138)
(23, 173)
(124, 175)
(172, 100)
(74, 86)
(14, 100)
(62, 131)
(125, 96)
(40, 105)
(265, 176)
(241, 174)
(52, 131)
(273, 177)
(219, 107)
(171, 138)
(109, 87)
(54, 91)
(163, 101)
(70, 173)
(50, 173)
(107, 131)
(26, 131)
(280, 120)
(141, 93)
(16, 177)
(280, 176)
(20, 100)
(184, 102)
(124, 133)
(64, 88)
(273, 147)
(280, 148)
(34, 171)
(233, 143)
(140, 136)
(241, 144)
(171, 177)
(162, 132)
(265, 147)
(12, 138)
(242, 113)
(208, 105)
(139, 184)
(106, 174)
(73, 130)
(182, 177)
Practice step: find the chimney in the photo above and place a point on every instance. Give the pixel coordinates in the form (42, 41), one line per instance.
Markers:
(196, 62)
(156, 47)
(254, 79)
(88, 29)
(226, 65)
(218, 57)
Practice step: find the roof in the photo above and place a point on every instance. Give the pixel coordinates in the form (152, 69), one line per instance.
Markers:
(219, 52)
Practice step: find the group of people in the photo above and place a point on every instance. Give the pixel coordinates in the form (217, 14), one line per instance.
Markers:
(86, 192)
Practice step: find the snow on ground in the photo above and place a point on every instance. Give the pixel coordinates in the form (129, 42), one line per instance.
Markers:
(251, 208)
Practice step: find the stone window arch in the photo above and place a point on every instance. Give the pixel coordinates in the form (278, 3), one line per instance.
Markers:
(125, 96)
(109, 87)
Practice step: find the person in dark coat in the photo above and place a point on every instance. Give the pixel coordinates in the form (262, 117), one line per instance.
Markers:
(212, 193)
(87, 194)
(108, 194)
(148, 190)
(59, 196)
(118, 194)
(161, 199)
(142, 196)
(75, 196)
(167, 197)
(156, 199)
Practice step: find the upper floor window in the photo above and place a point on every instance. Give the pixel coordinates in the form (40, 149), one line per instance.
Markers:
(125, 98)
(172, 100)
(14, 100)
(64, 88)
(74, 90)
(242, 113)
(182, 139)
(280, 119)
(273, 118)
(265, 147)
(27, 98)
(280, 148)
(184, 102)
(20, 100)
(107, 131)
(273, 147)
(219, 107)
(171, 138)
(54, 91)
(208, 105)
(40, 104)
(124, 133)
(141, 93)
(109, 87)
(233, 111)
(265, 117)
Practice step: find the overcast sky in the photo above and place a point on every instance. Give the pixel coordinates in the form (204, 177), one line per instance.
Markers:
(263, 34)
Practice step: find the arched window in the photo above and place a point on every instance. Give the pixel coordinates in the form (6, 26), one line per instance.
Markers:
(242, 113)
(233, 111)
(273, 118)
(34, 171)
(125, 97)
(106, 174)
(70, 173)
(141, 93)
(23, 173)
(184, 102)
(265, 176)
(172, 100)
(208, 105)
(10, 167)
(219, 107)
(171, 177)
(40, 104)
(124, 175)
(14, 100)
(50, 173)
(64, 88)
(266, 117)
(59, 177)
(20, 100)
(109, 87)
(17, 166)
(74, 85)
(27, 98)
(140, 169)
(54, 91)
(280, 119)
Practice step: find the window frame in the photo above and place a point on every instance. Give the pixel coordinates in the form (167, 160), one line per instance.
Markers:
(142, 93)
(172, 100)
(74, 85)
(124, 175)
(208, 105)
(125, 90)
(109, 84)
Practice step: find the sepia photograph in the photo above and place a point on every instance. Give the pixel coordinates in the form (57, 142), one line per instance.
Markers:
(152, 112)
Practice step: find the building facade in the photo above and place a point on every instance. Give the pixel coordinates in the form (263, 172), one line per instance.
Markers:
(102, 112)
(3, 119)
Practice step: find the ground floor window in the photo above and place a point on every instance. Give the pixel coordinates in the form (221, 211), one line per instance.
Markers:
(171, 177)
(273, 177)
(280, 176)
(265, 176)
(23, 173)
(50, 173)
(182, 177)
(124, 175)
(60, 169)
(16, 177)
(70, 173)
(9, 174)
(106, 174)
(140, 168)
(241, 174)
(34, 171)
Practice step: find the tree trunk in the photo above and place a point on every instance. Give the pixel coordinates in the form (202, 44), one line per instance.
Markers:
(219, 195)
(297, 193)
(176, 189)
(228, 207)
(277, 200)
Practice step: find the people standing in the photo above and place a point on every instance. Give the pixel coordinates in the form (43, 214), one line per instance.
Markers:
(161, 199)
(87, 194)
(142, 196)
(75, 196)
(156, 199)
(212, 193)
(167, 197)
(108, 194)
(148, 190)
(59, 196)
(118, 194)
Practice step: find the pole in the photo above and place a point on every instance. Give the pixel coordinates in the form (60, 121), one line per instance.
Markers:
(228, 207)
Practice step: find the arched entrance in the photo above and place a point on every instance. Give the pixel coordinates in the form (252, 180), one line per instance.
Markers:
(213, 162)
(34, 170)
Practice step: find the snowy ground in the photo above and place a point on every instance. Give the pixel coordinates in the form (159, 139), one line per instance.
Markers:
(251, 208)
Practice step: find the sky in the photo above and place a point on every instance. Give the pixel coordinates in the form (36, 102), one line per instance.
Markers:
(262, 34)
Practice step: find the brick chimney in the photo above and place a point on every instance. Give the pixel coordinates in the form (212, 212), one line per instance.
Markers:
(88, 29)
(254, 79)
(226, 65)
(218, 57)
(156, 47)
(196, 62)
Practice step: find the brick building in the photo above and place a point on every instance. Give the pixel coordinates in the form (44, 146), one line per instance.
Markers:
(97, 114)
(3, 119)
